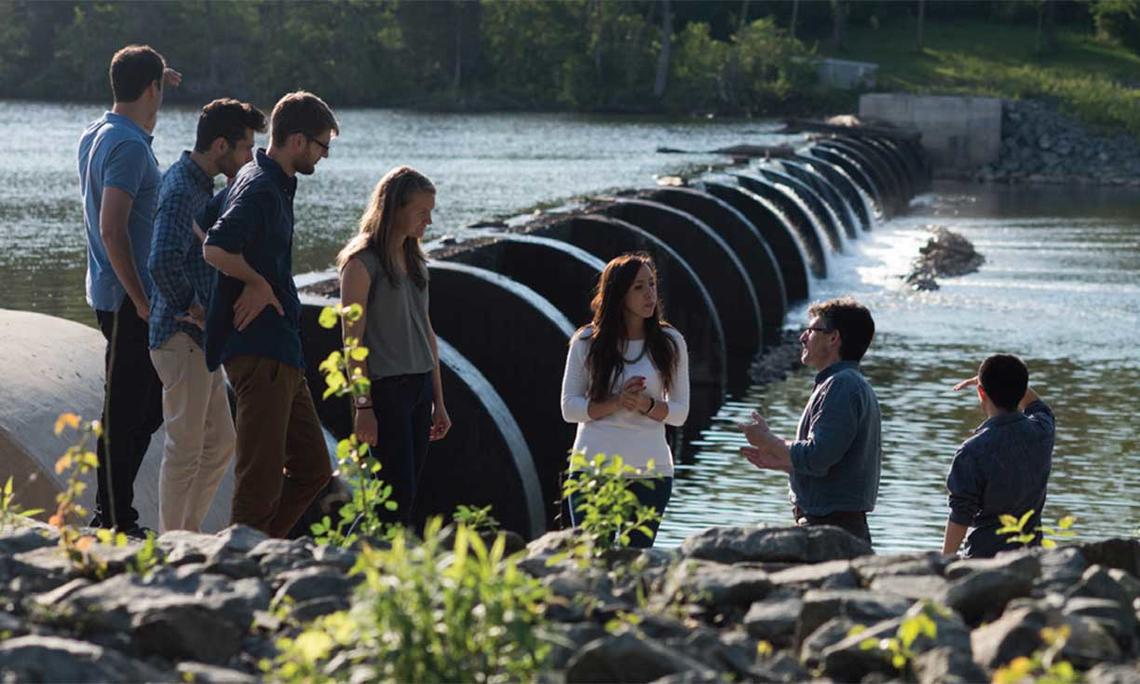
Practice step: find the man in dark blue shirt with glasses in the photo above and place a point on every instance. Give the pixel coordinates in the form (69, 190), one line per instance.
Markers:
(834, 462)
(1003, 469)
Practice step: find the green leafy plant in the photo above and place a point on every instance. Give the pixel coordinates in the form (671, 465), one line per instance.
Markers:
(1044, 666)
(1014, 529)
(424, 612)
(361, 514)
(10, 511)
(900, 647)
(478, 519)
(608, 511)
(75, 464)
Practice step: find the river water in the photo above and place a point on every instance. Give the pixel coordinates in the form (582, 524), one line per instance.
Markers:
(1061, 287)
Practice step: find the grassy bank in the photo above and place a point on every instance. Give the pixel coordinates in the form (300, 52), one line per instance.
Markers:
(1098, 83)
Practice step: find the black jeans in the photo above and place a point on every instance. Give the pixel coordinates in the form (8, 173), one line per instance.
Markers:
(132, 411)
(854, 522)
(653, 492)
(403, 420)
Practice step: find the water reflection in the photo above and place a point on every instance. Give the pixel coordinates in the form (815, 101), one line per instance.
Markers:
(484, 165)
(1061, 292)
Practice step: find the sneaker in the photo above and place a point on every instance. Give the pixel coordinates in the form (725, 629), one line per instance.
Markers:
(138, 532)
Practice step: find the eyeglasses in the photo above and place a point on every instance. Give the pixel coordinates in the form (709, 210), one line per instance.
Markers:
(813, 329)
(323, 146)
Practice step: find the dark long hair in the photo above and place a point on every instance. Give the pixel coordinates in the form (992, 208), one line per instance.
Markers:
(604, 361)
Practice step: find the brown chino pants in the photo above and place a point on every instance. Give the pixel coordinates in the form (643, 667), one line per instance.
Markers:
(282, 462)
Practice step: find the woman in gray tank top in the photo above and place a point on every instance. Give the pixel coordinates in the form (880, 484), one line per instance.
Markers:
(383, 269)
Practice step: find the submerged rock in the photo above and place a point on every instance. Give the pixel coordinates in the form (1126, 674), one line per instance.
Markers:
(945, 254)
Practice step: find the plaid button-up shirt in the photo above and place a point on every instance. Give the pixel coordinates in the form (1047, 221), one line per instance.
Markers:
(181, 276)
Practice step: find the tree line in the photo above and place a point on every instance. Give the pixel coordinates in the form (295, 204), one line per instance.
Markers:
(680, 56)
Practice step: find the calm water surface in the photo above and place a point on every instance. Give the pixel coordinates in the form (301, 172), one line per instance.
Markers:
(1061, 287)
(484, 166)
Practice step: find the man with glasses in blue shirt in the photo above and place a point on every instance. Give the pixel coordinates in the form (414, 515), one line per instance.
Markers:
(119, 183)
(254, 322)
(835, 460)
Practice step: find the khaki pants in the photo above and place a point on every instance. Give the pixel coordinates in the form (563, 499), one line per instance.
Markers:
(199, 433)
(282, 460)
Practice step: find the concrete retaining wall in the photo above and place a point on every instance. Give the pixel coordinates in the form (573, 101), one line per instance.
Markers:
(958, 133)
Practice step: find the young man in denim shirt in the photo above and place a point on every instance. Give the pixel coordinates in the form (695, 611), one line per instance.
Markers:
(199, 429)
(835, 460)
(1004, 467)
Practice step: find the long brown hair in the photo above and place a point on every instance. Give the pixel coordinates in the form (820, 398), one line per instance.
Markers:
(604, 360)
(394, 191)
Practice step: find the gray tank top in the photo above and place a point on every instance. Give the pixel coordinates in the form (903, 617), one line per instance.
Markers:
(396, 328)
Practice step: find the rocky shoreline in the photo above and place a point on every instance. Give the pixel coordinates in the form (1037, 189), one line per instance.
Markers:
(1043, 146)
(747, 603)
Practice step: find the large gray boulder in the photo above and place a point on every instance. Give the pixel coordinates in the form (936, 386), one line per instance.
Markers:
(982, 594)
(814, 544)
(858, 605)
(55, 659)
(626, 658)
(1016, 633)
(716, 585)
(774, 620)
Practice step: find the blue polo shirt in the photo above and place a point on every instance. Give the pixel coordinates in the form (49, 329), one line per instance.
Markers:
(115, 152)
(256, 221)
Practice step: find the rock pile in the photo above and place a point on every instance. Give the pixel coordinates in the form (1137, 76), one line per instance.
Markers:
(945, 254)
(1041, 145)
(749, 604)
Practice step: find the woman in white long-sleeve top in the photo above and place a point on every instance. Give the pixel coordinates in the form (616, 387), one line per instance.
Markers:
(627, 376)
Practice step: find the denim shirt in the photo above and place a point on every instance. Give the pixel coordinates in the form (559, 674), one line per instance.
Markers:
(838, 454)
(1002, 469)
(181, 276)
(257, 222)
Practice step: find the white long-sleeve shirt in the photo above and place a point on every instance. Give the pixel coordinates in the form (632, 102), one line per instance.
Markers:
(635, 437)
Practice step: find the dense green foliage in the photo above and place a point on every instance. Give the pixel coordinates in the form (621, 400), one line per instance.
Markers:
(427, 613)
(742, 57)
(1090, 77)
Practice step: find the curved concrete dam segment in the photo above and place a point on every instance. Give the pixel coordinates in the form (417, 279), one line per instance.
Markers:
(732, 251)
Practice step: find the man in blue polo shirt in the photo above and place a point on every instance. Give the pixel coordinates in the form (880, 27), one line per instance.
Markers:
(253, 322)
(1004, 467)
(119, 182)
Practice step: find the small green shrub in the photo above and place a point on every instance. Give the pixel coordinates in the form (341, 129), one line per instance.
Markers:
(478, 519)
(360, 516)
(1044, 666)
(10, 511)
(1014, 529)
(901, 645)
(608, 511)
(424, 613)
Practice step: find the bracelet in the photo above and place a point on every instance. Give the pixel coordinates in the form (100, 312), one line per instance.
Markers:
(652, 405)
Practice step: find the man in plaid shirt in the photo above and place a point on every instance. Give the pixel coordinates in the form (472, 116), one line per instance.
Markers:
(200, 435)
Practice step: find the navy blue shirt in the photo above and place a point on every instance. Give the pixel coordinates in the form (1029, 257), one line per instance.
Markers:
(1003, 469)
(838, 452)
(257, 222)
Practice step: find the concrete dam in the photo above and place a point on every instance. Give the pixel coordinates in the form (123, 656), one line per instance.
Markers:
(734, 250)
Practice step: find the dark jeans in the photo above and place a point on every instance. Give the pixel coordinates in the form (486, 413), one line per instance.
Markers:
(854, 522)
(654, 493)
(282, 462)
(403, 420)
(132, 411)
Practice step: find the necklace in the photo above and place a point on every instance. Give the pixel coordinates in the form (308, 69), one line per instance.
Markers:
(644, 348)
